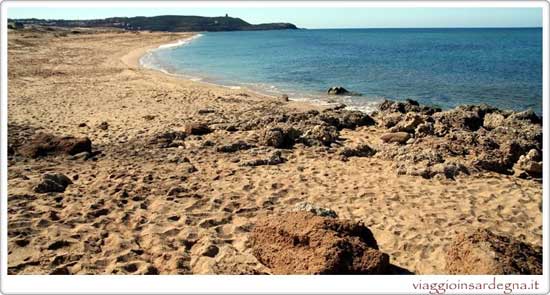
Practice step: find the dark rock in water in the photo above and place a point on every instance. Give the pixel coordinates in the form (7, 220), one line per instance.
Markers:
(103, 126)
(43, 144)
(51, 183)
(197, 129)
(303, 243)
(484, 253)
(337, 90)
(279, 136)
(396, 137)
(362, 150)
(234, 147)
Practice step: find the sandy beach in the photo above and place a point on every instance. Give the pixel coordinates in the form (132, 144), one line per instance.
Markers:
(162, 195)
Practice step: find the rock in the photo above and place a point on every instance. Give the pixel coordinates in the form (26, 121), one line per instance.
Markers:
(279, 136)
(149, 117)
(424, 129)
(493, 120)
(485, 253)
(337, 107)
(337, 90)
(303, 243)
(396, 137)
(527, 115)
(390, 120)
(275, 159)
(320, 135)
(81, 156)
(205, 111)
(55, 182)
(408, 124)
(196, 129)
(457, 119)
(323, 212)
(362, 150)
(346, 119)
(388, 106)
(284, 98)
(168, 139)
(103, 126)
(82, 125)
(530, 163)
(234, 147)
(211, 251)
(43, 144)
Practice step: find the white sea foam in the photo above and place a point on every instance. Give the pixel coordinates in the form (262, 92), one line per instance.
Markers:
(179, 42)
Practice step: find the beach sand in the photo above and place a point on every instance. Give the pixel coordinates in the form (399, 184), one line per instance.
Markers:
(138, 208)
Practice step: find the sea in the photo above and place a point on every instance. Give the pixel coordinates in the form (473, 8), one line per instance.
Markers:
(441, 67)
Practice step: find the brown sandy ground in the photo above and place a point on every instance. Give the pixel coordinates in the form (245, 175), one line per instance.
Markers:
(119, 215)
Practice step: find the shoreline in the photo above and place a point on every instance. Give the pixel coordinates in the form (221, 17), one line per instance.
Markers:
(303, 104)
(133, 60)
(178, 172)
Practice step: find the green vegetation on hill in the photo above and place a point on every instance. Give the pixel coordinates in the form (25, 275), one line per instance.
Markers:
(164, 23)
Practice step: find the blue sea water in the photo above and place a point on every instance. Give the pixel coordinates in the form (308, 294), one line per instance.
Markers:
(443, 67)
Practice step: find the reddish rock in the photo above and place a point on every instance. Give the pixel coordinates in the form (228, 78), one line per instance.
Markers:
(396, 137)
(483, 252)
(197, 129)
(303, 243)
(43, 144)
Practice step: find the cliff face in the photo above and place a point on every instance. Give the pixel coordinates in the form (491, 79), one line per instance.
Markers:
(166, 23)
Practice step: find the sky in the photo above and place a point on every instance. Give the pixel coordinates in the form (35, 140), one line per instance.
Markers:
(311, 18)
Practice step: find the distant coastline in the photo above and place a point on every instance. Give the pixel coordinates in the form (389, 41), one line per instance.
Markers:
(162, 23)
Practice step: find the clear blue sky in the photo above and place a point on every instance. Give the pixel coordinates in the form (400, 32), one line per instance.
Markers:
(364, 17)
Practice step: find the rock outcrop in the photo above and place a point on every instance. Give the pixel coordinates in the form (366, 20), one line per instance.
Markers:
(304, 243)
(44, 144)
(483, 252)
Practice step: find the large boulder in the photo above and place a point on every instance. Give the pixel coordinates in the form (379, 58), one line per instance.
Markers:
(304, 243)
(485, 253)
(43, 144)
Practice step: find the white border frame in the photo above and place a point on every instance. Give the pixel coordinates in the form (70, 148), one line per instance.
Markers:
(200, 284)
